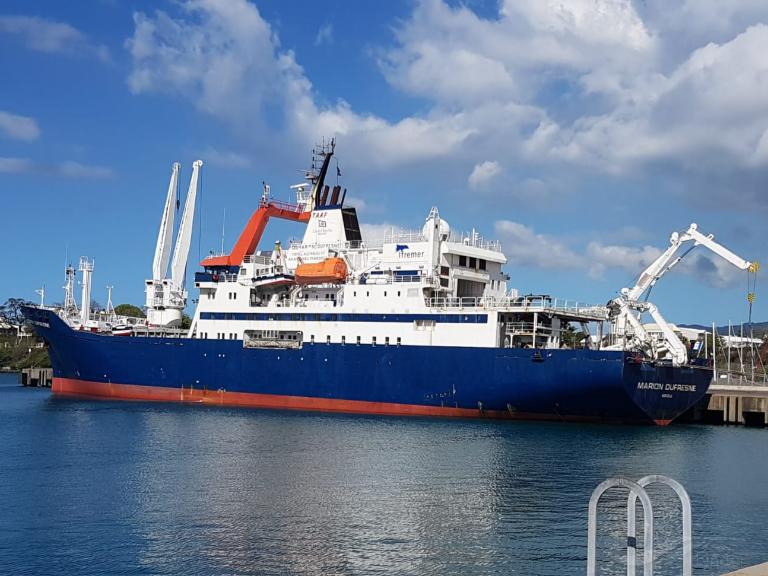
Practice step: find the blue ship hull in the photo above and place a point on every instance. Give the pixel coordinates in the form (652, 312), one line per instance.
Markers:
(587, 385)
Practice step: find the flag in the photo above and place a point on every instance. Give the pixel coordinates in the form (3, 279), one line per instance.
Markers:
(338, 170)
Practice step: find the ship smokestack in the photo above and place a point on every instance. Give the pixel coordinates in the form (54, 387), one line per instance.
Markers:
(324, 199)
(343, 196)
(335, 195)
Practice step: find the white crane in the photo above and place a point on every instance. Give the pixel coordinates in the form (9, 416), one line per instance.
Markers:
(165, 234)
(628, 307)
(167, 297)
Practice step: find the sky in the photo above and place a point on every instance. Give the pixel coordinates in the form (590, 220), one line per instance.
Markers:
(580, 133)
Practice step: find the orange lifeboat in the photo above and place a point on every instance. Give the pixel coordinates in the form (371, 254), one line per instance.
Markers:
(329, 271)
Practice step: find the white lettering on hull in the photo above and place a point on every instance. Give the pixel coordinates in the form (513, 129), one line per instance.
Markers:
(666, 387)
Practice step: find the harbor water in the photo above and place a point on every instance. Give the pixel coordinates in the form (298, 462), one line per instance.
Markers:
(102, 487)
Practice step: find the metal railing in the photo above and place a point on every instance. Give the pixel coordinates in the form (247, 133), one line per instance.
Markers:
(740, 379)
(515, 328)
(637, 491)
(256, 259)
(522, 303)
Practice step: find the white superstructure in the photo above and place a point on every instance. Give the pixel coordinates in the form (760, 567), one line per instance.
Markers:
(429, 287)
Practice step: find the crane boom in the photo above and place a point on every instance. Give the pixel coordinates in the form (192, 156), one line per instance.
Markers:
(669, 259)
(184, 236)
(627, 308)
(165, 234)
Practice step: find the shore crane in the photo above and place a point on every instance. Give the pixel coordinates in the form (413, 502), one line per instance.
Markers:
(628, 307)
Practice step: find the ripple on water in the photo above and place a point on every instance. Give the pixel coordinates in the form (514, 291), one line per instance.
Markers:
(130, 488)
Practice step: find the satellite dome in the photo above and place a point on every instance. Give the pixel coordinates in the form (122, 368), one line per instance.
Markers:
(444, 228)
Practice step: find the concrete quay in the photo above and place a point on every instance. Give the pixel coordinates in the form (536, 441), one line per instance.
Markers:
(759, 570)
(735, 401)
(37, 377)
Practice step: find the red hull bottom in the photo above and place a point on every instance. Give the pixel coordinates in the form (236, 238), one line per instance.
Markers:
(84, 388)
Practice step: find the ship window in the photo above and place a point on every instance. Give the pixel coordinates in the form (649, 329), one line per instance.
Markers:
(328, 339)
(354, 293)
(398, 293)
(234, 295)
(444, 282)
(399, 340)
(462, 260)
(358, 340)
(385, 292)
(373, 340)
(386, 341)
(481, 262)
(367, 293)
(343, 339)
(444, 270)
(472, 262)
(312, 339)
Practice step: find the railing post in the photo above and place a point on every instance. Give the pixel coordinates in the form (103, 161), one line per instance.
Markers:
(638, 492)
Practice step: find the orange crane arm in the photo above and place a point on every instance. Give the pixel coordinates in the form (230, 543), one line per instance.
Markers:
(251, 235)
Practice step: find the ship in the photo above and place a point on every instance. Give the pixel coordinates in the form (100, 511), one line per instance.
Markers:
(417, 323)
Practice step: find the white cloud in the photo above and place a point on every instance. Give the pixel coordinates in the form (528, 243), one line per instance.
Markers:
(375, 233)
(15, 165)
(324, 35)
(483, 174)
(77, 170)
(67, 169)
(635, 91)
(630, 259)
(53, 37)
(224, 158)
(226, 60)
(554, 87)
(523, 246)
(18, 127)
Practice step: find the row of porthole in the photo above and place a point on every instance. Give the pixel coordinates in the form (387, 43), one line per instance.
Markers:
(359, 340)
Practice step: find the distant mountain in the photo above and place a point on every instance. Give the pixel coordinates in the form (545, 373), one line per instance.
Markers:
(759, 329)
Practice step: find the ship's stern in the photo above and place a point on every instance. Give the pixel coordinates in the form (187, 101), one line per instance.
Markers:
(662, 391)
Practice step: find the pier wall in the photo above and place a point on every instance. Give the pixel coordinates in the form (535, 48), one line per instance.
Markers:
(725, 404)
(37, 377)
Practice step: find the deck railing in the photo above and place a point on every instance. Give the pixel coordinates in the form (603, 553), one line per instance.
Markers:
(524, 303)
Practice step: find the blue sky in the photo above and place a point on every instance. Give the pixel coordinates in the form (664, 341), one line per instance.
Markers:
(579, 132)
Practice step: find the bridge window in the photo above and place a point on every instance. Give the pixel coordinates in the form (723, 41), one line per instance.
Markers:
(472, 262)
(481, 263)
(463, 261)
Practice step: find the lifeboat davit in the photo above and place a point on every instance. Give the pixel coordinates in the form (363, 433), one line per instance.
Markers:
(329, 271)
